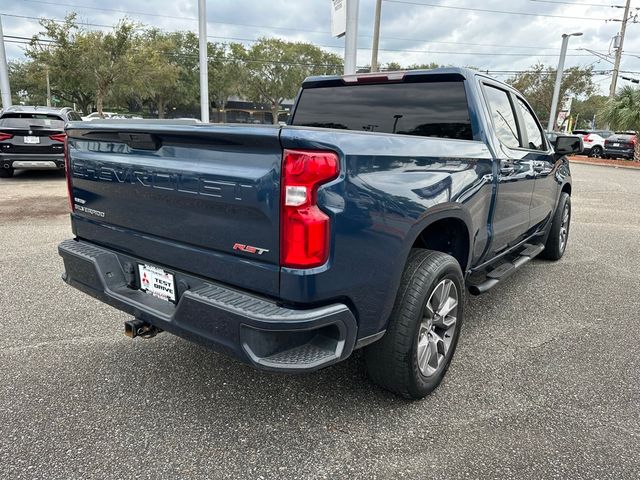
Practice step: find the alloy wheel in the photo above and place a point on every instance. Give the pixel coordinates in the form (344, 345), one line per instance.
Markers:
(564, 228)
(437, 327)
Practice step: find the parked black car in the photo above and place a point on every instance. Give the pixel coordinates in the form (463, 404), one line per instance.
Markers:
(33, 138)
(620, 145)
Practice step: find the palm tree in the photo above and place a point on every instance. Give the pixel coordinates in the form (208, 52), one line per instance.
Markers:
(622, 112)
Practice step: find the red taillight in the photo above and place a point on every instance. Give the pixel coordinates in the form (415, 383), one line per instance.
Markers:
(634, 140)
(67, 171)
(586, 138)
(58, 137)
(305, 229)
(5, 136)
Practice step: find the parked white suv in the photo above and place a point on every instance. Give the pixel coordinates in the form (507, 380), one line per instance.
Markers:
(593, 141)
(96, 116)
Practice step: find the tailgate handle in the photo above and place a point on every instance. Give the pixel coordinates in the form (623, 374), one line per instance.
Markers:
(141, 141)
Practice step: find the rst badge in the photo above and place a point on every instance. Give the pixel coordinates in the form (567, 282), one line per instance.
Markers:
(249, 248)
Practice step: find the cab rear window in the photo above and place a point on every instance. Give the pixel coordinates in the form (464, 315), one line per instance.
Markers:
(427, 109)
(31, 120)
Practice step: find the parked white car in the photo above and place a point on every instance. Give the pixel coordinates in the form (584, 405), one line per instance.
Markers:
(96, 116)
(593, 141)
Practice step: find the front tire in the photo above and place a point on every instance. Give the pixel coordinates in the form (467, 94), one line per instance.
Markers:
(6, 172)
(413, 356)
(559, 234)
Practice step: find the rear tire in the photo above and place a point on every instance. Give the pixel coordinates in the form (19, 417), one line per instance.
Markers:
(559, 234)
(6, 172)
(596, 152)
(415, 353)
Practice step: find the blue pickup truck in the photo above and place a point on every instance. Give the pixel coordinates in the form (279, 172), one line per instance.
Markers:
(360, 224)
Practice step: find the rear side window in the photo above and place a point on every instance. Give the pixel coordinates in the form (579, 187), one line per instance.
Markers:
(74, 117)
(31, 120)
(428, 109)
(534, 134)
(504, 120)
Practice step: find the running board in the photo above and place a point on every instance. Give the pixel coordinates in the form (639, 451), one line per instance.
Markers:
(505, 269)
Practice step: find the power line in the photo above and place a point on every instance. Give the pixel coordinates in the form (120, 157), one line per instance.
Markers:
(53, 19)
(434, 52)
(577, 4)
(532, 47)
(399, 50)
(110, 10)
(208, 21)
(487, 10)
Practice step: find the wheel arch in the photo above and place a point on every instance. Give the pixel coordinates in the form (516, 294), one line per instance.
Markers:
(454, 234)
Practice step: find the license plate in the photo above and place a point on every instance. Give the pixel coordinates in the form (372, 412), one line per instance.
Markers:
(615, 144)
(157, 282)
(31, 139)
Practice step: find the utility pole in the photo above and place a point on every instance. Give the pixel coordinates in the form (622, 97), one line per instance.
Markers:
(351, 38)
(5, 89)
(556, 90)
(376, 37)
(204, 68)
(46, 69)
(616, 65)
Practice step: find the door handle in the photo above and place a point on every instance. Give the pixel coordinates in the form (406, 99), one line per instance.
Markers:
(507, 169)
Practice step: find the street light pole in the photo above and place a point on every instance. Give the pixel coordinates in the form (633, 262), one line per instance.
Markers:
(46, 70)
(376, 37)
(5, 89)
(556, 90)
(204, 70)
(351, 38)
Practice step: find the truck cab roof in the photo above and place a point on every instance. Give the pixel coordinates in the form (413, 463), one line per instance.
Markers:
(393, 76)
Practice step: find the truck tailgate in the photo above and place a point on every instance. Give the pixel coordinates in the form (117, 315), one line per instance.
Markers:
(195, 198)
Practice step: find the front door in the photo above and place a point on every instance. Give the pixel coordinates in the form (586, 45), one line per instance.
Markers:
(516, 174)
(545, 164)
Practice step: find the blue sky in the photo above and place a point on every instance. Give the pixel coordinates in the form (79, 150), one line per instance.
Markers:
(448, 32)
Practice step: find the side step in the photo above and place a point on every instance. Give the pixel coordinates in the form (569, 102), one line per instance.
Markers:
(505, 269)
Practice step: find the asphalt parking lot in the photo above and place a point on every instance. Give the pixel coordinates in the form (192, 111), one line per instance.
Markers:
(545, 382)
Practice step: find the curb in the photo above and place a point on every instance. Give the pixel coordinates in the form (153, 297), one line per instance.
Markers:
(623, 167)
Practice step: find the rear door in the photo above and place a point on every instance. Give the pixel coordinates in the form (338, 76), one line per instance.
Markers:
(516, 175)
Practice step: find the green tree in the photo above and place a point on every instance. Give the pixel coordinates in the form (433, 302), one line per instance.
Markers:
(225, 74)
(154, 70)
(395, 66)
(274, 69)
(28, 83)
(392, 67)
(538, 82)
(422, 66)
(109, 57)
(622, 112)
(585, 111)
(70, 75)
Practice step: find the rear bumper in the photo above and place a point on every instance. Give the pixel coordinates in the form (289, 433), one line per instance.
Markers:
(255, 330)
(619, 152)
(32, 162)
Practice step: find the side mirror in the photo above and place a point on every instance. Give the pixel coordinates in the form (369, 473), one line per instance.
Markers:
(567, 144)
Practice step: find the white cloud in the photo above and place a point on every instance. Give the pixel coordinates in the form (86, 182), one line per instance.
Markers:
(409, 33)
